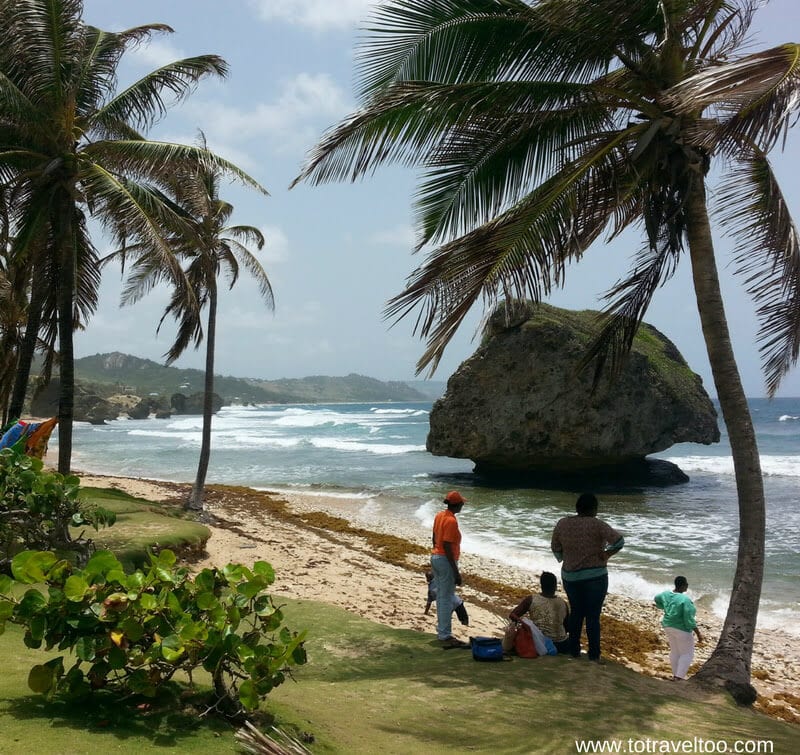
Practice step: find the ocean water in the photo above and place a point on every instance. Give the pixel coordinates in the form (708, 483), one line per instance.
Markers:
(375, 454)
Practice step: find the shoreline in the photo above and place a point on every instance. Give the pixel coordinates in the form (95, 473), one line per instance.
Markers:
(321, 551)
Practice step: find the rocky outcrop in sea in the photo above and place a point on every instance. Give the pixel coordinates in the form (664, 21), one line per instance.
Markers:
(520, 407)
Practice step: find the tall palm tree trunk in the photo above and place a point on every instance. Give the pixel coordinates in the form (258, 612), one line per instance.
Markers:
(730, 661)
(8, 359)
(65, 298)
(195, 501)
(29, 341)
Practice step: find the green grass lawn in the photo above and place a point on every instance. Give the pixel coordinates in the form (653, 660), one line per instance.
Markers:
(370, 689)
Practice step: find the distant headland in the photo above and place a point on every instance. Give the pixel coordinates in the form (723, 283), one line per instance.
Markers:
(116, 375)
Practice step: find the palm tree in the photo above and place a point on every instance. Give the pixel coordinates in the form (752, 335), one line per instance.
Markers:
(541, 126)
(207, 245)
(70, 147)
(12, 315)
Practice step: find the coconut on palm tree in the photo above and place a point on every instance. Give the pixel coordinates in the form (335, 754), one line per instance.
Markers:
(541, 127)
(70, 149)
(207, 246)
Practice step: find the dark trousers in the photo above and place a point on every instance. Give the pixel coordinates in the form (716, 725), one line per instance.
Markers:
(586, 598)
(563, 646)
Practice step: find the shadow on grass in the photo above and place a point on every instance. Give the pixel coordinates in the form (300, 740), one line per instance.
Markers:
(408, 690)
(165, 722)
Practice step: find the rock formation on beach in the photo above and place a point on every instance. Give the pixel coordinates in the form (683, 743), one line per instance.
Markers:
(519, 406)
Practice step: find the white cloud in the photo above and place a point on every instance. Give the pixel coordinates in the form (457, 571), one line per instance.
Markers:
(401, 235)
(314, 14)
(276, 246)
(155, 53)
(290, 120)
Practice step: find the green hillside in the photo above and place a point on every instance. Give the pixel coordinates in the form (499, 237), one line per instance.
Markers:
(123, 373)
(321, 388)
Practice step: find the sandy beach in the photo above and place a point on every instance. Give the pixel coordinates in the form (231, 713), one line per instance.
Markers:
(321, 552)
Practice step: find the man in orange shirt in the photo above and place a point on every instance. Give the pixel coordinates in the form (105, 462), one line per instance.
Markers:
(444, 563)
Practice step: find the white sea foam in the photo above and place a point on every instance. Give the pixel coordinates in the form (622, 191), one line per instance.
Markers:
(242, 443)
(344, 444)
(783, 466)
(184, 436)
(787, 418)
(307, 419)
(770, 614)
(186, 423)
(425, 512)
(406, 412)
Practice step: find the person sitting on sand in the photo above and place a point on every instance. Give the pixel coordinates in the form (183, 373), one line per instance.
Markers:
(548, 611)
(458, 602)
(679, 623)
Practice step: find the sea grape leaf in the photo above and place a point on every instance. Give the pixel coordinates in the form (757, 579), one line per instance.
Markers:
(30, 567)
(248, 696)
(264, 569)
(41, 679)
(75, 588)
(172, 648)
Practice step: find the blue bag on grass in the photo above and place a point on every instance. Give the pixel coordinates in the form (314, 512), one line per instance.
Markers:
(486, 648)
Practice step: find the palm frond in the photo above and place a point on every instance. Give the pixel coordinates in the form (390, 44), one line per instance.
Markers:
(404, 36)
(722, 34)
(99, 63)
(398, 125)
(248, 234)
(410, 119)
(17, 107)
(629, 300)
(143, 103)
(520, 254)
(481, 168)
(754, 211)
(453, 41)
(131, 210)
(87, 281)
(756, 95)
(40, 41)
(273, 742)
(158, 162)
(249, 262)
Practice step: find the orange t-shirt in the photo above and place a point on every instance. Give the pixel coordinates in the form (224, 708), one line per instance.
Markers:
(445, 530)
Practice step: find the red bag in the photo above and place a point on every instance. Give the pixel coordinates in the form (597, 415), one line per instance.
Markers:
(524, 646)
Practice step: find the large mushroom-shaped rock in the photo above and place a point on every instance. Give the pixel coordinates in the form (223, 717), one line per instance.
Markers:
(521, 407)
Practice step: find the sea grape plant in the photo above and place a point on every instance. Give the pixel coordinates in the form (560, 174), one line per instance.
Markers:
(131, 633)
(38, 508)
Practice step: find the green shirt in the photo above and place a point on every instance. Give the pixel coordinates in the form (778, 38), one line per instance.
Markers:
(679, 611)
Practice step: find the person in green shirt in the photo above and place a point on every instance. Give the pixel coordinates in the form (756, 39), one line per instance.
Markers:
(680, 626)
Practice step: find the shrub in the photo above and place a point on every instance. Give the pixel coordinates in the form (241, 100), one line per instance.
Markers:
(38, 507)
(131, 633)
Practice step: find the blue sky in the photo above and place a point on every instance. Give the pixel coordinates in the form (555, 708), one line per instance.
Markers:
(336, 253)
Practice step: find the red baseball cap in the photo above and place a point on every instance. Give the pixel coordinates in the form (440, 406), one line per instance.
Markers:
(454, 497)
